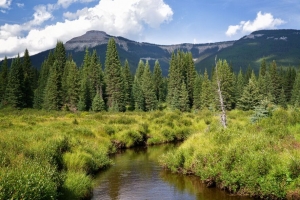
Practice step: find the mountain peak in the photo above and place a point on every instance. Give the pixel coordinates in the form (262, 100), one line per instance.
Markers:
(89, 40)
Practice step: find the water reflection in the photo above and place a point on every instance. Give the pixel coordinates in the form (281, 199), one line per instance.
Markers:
(137, 175)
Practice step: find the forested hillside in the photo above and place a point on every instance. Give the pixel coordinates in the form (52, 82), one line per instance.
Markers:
(62, 85)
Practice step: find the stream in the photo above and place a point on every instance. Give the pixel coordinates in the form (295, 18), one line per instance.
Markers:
(137, 175)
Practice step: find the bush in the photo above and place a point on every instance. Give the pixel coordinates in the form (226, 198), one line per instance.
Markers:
(77, 186)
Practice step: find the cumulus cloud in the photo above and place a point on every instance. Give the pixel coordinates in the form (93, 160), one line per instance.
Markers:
(40, 15)
(262, 21)
(116, 17)
(67, 3)
(5, 3)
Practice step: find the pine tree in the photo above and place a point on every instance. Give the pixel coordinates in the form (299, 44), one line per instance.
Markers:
(206, 92)
(282, 99)
(95, 74)
(72, 85)
(98, 104)
(226, 84)
(28, 92)
(251, 97)
(128, 82)
(42, 81)
(176, 76)
(137, 93)
(197, 92)
(158, 82)
(14, 90)
(113, 77)
(85, 98)
(148, 89)
(184, 99)
(275, 82)
(295, 99)
(240, 84)
(4, 72)
(52, 97)
(190, 76)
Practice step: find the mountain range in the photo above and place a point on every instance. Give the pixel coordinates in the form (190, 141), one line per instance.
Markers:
(283, 46)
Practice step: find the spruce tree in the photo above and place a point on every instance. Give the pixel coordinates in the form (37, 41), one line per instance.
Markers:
(128, 82)
(282, 99)
(52, 97)
(250, 97)
(226, 84)
(206, 92)
(42, 81)
(295, 99)
(139, 101)
(14, 90)
(184, 98)
(158, 81)
(114, 81)
(148, 89)
(275, 82)
(175, 77)
(95, 74)
(72, 85)
(85, 98)
(240, 83)
(28, 92)
(190, 76)
(98, 104)
(4, 72)
(197, 92)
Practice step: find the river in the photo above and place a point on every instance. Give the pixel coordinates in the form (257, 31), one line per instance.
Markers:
(137, 175)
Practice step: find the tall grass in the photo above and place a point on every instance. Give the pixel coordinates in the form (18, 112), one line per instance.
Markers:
(53, 155)
(259, 160)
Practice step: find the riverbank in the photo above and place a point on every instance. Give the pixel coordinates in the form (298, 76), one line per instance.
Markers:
(259, 159)
(54, 155)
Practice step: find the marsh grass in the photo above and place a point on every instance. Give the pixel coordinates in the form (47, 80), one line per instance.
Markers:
(259, 160)
(53, 155)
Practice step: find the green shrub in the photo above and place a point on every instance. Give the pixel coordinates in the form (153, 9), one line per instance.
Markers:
(77, 186)
(30, 180)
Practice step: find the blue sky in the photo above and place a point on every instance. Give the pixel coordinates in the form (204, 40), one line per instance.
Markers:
(38, 24)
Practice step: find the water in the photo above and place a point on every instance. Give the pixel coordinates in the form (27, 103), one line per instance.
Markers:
(136, 175)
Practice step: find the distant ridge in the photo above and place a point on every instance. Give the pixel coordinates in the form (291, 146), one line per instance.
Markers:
(283, 46)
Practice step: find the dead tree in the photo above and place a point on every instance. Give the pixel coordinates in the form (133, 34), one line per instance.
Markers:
(223, 114)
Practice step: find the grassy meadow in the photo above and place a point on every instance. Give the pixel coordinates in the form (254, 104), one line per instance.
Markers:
(259, 159)
(54, 155)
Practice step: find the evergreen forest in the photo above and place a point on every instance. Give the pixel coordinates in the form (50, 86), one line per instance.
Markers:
(61, 85)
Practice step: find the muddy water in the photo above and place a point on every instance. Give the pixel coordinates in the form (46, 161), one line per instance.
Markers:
(137, 175)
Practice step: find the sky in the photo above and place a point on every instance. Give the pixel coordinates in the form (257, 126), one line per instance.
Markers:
(38, 24)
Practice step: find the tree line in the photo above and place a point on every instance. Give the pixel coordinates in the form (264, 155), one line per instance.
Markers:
(62, 85)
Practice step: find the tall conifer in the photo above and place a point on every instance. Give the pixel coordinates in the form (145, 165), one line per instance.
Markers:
(113, 76)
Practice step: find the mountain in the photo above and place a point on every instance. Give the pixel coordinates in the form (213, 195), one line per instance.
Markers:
(131, 50)
(283, 46)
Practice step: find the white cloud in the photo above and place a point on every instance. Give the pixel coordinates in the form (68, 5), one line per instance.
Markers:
(116, 17)
(5, 3)
(67, 3)
(262, 21)
(20, 5)
(15, 30)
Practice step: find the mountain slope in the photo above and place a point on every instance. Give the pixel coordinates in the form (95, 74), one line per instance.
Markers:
(283, 46)
(280, 45)
(131, 50)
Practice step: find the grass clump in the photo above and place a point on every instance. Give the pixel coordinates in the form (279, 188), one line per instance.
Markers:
(258, 160)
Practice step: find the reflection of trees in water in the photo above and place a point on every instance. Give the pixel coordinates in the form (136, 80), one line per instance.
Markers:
(135, 170)
(194, 186)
